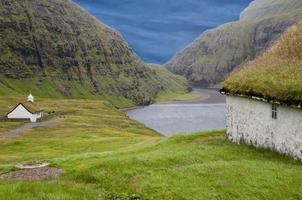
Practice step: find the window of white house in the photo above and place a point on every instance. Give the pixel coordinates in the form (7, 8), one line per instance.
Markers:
(274, 111)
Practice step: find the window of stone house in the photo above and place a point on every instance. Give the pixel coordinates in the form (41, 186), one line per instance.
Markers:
(274, 111)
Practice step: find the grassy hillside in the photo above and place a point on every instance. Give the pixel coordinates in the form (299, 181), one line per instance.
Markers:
(169, 86)
(48, 89)
(56, 49)
(105, 155)
(173, 86)
(274, 75)
(217, 52)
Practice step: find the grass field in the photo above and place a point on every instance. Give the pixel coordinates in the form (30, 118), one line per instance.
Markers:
(173, 87)
(105, 155)
(168, 96)
(10, 87)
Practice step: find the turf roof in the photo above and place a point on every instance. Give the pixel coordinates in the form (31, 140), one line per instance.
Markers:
(31, 107)
(276, 75)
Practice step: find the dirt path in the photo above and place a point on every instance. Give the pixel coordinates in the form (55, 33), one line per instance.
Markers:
(29, 126)
(143, 144)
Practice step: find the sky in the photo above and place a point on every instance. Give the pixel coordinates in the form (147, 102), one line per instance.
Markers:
(157, 29)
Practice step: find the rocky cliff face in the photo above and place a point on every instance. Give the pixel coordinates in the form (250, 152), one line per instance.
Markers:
(56, 41)
(215, 54)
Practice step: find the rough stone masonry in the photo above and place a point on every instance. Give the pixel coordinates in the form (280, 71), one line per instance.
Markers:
(250, 121)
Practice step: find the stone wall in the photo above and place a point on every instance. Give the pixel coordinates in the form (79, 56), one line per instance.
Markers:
(250, 121)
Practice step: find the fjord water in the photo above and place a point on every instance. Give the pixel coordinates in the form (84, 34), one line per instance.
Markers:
(184, 117)
(157, 29)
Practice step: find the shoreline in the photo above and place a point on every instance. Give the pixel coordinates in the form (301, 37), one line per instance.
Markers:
(131, 108)
(207, 96)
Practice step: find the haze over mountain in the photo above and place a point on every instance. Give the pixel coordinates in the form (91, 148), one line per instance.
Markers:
(157, 29)
(57, 49)
(213, 55)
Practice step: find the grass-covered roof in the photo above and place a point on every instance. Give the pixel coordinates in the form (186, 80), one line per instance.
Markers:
(275, 75)
(31, 107)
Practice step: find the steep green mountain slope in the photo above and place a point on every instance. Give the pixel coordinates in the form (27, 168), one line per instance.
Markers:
(209, 59)
(172, 85)
(56, 49)
(276, 75)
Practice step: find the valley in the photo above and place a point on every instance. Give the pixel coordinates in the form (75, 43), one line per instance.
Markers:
(105, 155)
(99, 123)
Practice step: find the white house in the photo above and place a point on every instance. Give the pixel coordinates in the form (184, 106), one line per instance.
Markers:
(261, 123)
(264, 98)
(27, 110)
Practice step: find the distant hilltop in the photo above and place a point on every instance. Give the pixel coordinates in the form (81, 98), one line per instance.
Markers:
(217, 52)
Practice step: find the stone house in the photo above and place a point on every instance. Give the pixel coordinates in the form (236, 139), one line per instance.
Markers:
(266, 124)
(264, 98)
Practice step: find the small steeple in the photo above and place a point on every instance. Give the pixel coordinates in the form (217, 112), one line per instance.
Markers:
(30, 97)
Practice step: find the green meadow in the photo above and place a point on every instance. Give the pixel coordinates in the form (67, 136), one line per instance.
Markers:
(107, 156)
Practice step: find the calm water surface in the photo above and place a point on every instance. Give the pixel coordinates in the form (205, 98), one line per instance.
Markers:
(170, 119)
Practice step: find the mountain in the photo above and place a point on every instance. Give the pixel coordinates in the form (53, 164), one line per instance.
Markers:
(275, 75)
(57, 49)
(215, 54)
(172, 85)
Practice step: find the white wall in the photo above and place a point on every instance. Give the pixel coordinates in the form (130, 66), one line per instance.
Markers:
(250, 121)
(21, 113)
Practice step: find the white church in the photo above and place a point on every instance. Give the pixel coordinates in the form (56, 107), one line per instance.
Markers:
(27, 111)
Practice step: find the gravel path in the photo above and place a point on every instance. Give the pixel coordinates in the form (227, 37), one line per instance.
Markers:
(33, 174)
(29, 126)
